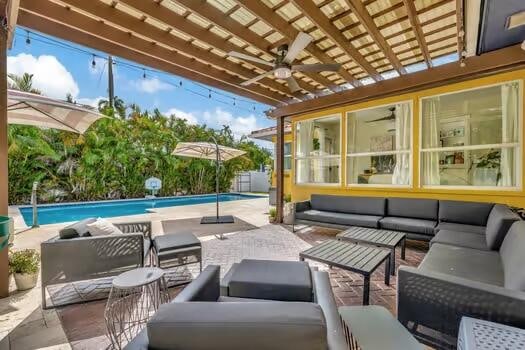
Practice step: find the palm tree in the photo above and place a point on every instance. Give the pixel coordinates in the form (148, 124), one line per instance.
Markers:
(23, 82)
(118, 105)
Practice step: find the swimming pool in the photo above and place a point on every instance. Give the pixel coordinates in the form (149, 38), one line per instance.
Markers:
(56, 213)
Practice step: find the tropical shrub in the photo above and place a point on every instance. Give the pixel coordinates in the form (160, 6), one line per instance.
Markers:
(24, 261)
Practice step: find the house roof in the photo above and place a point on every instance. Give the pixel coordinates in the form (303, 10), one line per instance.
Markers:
(267, 134)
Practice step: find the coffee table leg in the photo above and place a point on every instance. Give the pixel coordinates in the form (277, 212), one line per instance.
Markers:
(387, 271)
(366, 290)
(403, 246)
(393, 261)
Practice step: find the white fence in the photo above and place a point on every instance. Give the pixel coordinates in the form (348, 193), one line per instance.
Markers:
(251, 181)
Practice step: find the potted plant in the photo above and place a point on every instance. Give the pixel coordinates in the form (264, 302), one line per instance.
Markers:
(24, 266)
(288, 214)
(272, 213)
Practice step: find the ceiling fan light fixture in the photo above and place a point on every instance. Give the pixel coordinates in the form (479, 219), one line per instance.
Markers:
(282, 73)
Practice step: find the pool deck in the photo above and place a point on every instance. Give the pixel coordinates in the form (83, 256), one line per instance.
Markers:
(24, 325)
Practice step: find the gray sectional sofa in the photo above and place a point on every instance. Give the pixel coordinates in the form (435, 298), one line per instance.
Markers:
(421, 219)
(201, 318)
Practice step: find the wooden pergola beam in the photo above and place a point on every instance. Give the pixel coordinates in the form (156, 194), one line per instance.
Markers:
(44, 25)
(360, 11)
(172, 19)
(310, 10)
(12, 16)
(111, 15)
(502, 60)
(215, 16)
(268, 15)
(75, 20)
(416, 25)
(460, 28)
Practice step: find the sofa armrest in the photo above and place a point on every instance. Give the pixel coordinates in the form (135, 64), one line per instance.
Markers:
(324, 297)
(135, 227)
(439, 301)
(206, 287)
(301, 206)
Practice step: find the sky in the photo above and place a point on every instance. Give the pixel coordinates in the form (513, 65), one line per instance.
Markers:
(60, 67)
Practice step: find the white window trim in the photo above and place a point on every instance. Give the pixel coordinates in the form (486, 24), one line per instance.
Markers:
(289, 156)
(297, 158)
(382, 153)
(518, 145)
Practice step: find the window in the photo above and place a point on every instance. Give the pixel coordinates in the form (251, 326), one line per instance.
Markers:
(472, 138)
(379, 145)
(287, 156)
(317, 157)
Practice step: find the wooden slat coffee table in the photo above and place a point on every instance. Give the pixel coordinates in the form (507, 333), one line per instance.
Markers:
(377, 237)
(361, 259)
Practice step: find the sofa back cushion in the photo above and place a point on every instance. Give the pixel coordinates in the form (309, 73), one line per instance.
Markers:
(426, 209)
(349, 204)
(499, 222)
(238, 325)
(470, 213)
(513, 258)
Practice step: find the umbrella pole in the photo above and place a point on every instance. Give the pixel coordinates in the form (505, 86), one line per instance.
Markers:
(217, 167)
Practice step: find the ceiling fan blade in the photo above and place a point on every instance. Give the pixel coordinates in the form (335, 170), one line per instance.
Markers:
(292, 84)
(317, 67)
(301, 41)
(390, 117)
(249, 58)
(257, 78)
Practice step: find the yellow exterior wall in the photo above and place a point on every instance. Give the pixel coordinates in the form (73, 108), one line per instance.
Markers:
(287, 174)
(511, 197)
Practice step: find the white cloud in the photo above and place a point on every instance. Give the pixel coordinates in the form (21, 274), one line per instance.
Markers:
(93, 102)
(49, 75)
(150, 85)
(190, 117)
(240, 125)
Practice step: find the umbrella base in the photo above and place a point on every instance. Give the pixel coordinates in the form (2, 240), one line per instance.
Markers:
(224, 219)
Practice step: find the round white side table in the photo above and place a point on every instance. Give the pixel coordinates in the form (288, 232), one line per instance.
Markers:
(134, 297)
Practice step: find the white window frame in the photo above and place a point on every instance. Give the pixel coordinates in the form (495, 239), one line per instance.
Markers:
(335, 156)
(517, 145)
(381, 153)
(289, 156)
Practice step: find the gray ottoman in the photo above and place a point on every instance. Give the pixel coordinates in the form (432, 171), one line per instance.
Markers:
(172, 250)
(269, 279)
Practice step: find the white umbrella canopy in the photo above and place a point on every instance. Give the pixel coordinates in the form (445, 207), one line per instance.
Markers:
(26, 108)
(206, 150)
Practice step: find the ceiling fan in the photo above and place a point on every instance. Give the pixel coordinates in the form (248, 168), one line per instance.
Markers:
(282, 66)
(391, 116)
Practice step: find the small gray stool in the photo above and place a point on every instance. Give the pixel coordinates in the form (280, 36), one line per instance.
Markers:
(373, 327)
(178, 249)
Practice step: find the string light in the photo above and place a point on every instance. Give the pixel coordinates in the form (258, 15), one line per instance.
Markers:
(53, 42)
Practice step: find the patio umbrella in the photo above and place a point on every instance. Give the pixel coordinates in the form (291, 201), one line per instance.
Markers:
(212, 151)
(31, 109)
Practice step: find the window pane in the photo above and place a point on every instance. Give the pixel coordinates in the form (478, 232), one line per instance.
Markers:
(287, 149)
(393, 169)
(317, 170)
(287, 163)
(318, 137)
(488, 167)
(477, 117)
(380, 129)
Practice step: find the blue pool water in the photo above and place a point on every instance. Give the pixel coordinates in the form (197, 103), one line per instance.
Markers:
(55, 213)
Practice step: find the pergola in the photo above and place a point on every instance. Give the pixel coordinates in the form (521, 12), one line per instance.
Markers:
(377, 42)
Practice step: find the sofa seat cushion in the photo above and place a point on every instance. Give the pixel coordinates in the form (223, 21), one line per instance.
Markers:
(226, 299)
(340, 218)
(461, 239)
(273, 280)
(472, 264)
(238, 326)
(408, 225)
(77, 229)
(450, 226)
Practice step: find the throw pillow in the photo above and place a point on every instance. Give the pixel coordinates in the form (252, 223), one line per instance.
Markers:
(102, 227)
